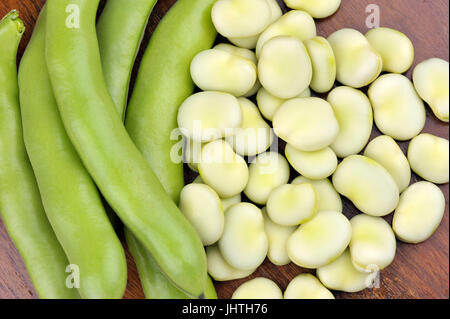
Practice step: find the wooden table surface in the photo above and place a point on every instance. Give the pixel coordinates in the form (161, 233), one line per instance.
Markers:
(419, 271)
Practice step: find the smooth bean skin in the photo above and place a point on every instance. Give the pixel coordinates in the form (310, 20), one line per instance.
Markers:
(354, 114)
(328, 197)
(20, 202)
(258, 288)
(386, 152)
(419, 213)
(250, 42)
(220, 269)
(125, 179)
(154, 282)
(306, 286)
(367, 184)
(431, 78)
(124, 20)
(357, 63)
(161, 86)
(428, 156)
(395, 48)
(74, 207)
(342, 275)
(317, 8)
(277, 236)
(117, 64)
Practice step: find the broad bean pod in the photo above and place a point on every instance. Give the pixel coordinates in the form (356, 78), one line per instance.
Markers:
(164, 82)
(20, 202)
(120, 30)
(70, 197)
(110, 156)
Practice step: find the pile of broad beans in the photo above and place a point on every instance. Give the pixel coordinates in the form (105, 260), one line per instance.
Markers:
(76, 152)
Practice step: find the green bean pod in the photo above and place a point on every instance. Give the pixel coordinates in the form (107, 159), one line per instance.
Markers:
(120, 30)
(155, 284)
(70, 197)
(164, 82)
(119, 22)
(110, 156)
(20, 203)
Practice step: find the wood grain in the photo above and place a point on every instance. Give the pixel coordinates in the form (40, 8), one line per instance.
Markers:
(419, 271)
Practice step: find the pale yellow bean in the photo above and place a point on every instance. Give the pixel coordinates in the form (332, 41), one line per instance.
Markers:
(241, 18)
(292, 204)
(219, 70)
(278, 236)
(314, 165)
(354, 114)
(398, 110)
(395, 48)
(431, 79)
(219, 269)
(373, 243)
(367, 184)
(320, 241)
(358, 64)
(226, 202)
(244, 242)
(222, 169)
(307, 286)
(258, 288)
(343, 276)
(206, 116)
(269, 104)
(254, 136)
(267, 171)
(243, 53)
(206, 216)
(327, 197)
(317, 8)
(295, 23)
(419, 212)
(428, 156)
(284, 67)
(308, 124)
(386, 151)
(250, 42)
(323, 64)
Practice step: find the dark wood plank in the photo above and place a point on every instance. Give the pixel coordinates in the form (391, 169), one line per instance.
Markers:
(419, 271)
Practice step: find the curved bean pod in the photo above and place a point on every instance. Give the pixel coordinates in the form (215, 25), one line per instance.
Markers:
(162, 85)
(120, 30)
(20, 203)
(108, 153)
(73, 206)
(154, 282)
(116, 31)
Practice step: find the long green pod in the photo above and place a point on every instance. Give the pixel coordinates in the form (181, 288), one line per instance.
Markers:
(120, 30)
(20, 203)
(116, 165)
(70, 197)
(164, 82)
(155, 284)
(210, 290)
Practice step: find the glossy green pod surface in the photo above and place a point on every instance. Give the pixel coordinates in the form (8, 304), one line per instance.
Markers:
(120, 30)
(71, 199)
(116, 165)
(20, 202)
(164, 82)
